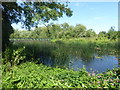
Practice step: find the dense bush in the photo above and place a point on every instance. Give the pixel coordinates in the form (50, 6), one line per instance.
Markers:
(13, 57)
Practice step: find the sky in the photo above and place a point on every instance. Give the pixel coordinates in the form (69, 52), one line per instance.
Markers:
(99, 16)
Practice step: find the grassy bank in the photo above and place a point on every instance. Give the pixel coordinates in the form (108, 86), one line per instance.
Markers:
(31, 75)
(21, 71)
(96, 43)
(60, 50)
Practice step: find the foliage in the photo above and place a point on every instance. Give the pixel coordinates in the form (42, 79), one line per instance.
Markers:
(14, 57)
(111, 34)
(33, 12)
(90, 33)
(30, 14)
(65, 31)
(56, 31)
(58, 52)
(31, 75)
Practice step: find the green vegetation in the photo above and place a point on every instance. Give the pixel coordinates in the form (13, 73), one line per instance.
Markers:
(31, 75)
(30, 14)
(60, 50)
(65, 31)
(22, 60)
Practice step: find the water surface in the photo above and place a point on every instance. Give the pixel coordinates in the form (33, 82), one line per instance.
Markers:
(75, 55)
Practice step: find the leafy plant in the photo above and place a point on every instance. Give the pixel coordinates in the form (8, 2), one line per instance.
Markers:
(31, 75)
(14, 57)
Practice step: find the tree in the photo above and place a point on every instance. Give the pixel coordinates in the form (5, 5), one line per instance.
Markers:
(65, 26)
(54, 29)
(30, 14)
(112, 33)
(90, 33)
(80, 30)
(102, 35)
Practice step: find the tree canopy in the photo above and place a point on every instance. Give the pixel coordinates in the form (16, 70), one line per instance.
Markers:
(30, 14)
(65, 31)
(56, 31)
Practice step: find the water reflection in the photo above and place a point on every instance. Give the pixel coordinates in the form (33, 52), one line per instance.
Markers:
(74, 55)
(97, 64)
(94, 59)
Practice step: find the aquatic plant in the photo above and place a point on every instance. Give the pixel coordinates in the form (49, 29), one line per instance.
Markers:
(31, 75)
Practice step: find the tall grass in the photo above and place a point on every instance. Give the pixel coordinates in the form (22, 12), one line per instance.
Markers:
(59, 52)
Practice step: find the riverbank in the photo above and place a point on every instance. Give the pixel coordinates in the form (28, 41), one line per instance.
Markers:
(25, 72)
(31, 75)
(95, 39)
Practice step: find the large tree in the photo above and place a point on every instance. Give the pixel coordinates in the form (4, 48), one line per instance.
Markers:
(30, 14)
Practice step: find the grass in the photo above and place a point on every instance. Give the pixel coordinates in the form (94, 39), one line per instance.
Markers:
(60, 50)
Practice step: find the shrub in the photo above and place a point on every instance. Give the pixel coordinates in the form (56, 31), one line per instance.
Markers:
(14, 57)
(31, 75)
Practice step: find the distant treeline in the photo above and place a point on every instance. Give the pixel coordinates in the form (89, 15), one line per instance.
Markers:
(65, 31)
(19, 39)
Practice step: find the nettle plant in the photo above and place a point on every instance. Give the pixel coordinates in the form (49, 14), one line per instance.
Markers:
(14, 57)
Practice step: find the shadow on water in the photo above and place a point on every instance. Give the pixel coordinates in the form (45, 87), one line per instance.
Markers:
(99, 57)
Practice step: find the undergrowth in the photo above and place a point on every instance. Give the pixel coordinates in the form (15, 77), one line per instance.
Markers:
(31, 75)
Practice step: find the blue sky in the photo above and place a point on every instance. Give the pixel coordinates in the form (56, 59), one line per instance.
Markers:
(99, 16)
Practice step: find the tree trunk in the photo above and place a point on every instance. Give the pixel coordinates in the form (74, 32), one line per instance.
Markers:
(6, 30)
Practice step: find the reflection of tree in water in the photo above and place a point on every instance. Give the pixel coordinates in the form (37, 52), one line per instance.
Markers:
(62, 54)
(85, 51)
(87, 56)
